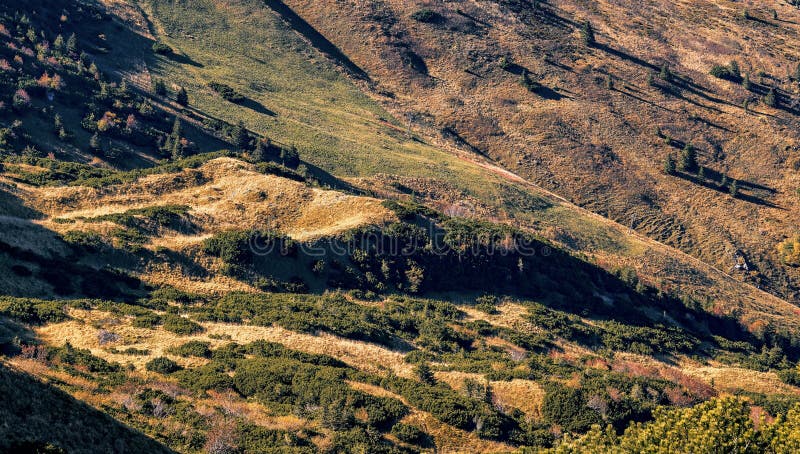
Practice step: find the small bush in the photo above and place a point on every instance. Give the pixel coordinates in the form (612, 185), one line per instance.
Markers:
(726, 72)
(227, 92)
(179, 325)
(487, 304)
(193, 348)
(427, 16)
(161, 48)
(147, 321)
(32, 311)
(409, 434)
(162, 365)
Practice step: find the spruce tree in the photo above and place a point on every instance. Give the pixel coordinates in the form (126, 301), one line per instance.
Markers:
(688, 162)
(159, 87)
(669, 165)
(241, 138)
(746, 81)
(58, 44)
(173, 144)
(424, 374)
(94, 142)
(771, 98)
(665, 73)
(734, 68)
(588, 34)
(182, 97)
(72, 44)
(260, 154)
(734, 188)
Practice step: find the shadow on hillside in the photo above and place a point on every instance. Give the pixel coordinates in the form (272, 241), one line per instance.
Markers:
(38, 258)
(472, 18)
(35, 414)
(184, 59)
(714, 185)
(532, 270)
(625, 56)
(12, 206)
(317, 40)
(646, 101)
(327, 179)
(762, 21)
(450, 133)
(257, 107)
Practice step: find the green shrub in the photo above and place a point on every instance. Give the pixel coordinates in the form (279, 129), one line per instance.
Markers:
(162, 365)
(192, 348)
(180, 325)
(88, 241)
(149, 320)
(790, 376)
(206, 377)
(409, 434)
(427, 16)
(567, 408)
(161, 48)
(487, 304)
(32, 311)
(82, 357)
(130, 351)
(227, 92)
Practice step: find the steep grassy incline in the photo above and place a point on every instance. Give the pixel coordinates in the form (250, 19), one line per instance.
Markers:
(446, 180)
(516, 81)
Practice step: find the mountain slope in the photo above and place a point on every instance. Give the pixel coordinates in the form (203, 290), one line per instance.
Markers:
(605, 148)
(347, 285)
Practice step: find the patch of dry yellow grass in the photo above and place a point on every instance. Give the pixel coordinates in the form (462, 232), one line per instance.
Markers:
(732, 379)
(223, 194)
(449, 439)
(526, 395)
(216, 284)
(361, 355)
(82, 332)
(511, 315)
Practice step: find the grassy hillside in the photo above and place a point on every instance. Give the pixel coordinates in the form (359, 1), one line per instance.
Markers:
(595, 123)
(234, 246)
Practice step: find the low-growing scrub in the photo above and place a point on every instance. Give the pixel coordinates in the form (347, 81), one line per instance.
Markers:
(162, 365)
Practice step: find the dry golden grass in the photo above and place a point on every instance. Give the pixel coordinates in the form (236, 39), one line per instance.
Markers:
(732, 379)
(82, 332)
(511, 315)
(223, 194)
(527, 395)
(232, 404)
(171, 275)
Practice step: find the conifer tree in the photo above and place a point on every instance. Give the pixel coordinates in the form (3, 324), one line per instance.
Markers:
(688, 162)
(173, 145)
(588, 34)
(72, 44)
(260, 154)
(182, 97)
(94, 142)
(771, 98)
(669, 165)
(241, 138)
(665, 74)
